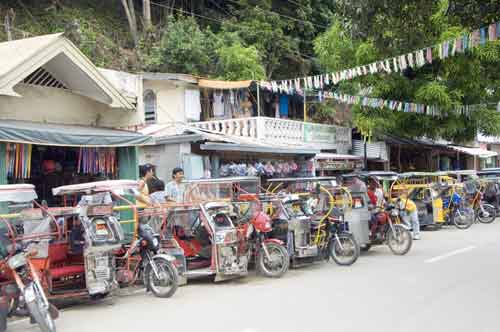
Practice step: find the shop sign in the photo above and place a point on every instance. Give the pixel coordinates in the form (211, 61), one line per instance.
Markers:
(339, 165)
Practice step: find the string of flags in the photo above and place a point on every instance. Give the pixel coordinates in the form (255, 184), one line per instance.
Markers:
(415, 59)
(395, 105)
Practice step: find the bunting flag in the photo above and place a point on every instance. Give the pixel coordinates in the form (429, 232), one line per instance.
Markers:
(401, 106)
(415, 60)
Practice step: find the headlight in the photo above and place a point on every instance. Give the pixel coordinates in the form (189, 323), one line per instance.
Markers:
(394, 213)
(156, 242)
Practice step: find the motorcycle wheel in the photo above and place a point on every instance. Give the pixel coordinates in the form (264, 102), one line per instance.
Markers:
(400, 240)
(167, 286)
(463, 218)
(486, 219)
(279, 263)
(345, 251)
(40, 314)
(366, 247)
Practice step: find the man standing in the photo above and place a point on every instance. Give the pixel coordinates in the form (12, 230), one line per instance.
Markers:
(174, 190)
(410, 214)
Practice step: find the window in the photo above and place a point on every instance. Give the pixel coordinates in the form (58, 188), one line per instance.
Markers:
(149, 107)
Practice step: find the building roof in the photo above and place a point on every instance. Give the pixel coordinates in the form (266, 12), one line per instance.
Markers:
(61, 59)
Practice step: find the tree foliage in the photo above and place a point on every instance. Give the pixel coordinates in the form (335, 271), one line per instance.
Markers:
(365, 31)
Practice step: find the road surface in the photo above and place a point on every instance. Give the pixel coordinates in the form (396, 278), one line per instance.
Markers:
(450, 281)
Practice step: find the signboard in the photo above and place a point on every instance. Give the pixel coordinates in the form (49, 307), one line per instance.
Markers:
(339, 165)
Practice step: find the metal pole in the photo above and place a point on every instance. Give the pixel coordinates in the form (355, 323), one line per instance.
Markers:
(305, 108)
(365, 160)
(258, 99)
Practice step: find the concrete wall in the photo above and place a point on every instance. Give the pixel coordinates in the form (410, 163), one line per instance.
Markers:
(164, 157)
(169, 99)
(51, 105)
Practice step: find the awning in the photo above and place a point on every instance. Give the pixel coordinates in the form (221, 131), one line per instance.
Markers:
(478, 152)
(223, 85)
(334, 156)
(257, 148)
(66, 135)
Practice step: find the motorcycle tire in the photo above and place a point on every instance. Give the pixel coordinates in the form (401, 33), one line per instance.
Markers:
(463, 218)
(399, 241)
(492, 214)
(169, 269)
(278, 254)
(41, 315)
(346, 252)
(366, 247)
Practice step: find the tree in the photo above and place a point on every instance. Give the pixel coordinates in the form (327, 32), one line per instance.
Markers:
(128, 6)
(367, 31)
(240, 63)
(184, 48)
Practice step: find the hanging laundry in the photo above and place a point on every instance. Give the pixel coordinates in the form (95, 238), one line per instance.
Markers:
(492, 32)
(428, 55)
(327, 79)
(453, 47)
(309, 82)
(475, 38)
(395, 64)
(459, 45)
(483, 32)
(283, 106)
(410, 60)
(218, 104)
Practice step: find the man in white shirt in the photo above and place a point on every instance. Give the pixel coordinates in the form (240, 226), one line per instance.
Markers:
(174, 190)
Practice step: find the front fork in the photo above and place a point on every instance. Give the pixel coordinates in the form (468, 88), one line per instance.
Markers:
(150, 261)
(264, 247)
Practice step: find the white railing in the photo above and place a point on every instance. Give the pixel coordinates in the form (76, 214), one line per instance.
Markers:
(281, 131)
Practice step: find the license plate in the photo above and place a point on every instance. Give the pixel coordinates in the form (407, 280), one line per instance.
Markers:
(101, 263)
(102, 273)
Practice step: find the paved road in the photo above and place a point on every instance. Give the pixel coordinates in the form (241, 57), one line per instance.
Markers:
(450, 281)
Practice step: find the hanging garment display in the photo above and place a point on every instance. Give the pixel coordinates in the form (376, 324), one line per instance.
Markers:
(283, 106)
(18, 160)
(218, 104)
(192, 104)
(97, 161)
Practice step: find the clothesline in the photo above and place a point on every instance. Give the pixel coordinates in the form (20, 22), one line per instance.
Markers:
(415, 59)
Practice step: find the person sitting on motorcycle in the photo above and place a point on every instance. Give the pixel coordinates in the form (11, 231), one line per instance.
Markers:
(409, 213)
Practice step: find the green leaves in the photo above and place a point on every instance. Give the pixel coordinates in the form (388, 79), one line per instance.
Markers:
(240, 63)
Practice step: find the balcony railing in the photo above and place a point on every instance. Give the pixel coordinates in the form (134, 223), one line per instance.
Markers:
(282, 131)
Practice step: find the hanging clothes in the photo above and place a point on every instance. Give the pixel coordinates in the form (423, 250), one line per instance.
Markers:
(218, 104)
(192, 104)
(283, 106)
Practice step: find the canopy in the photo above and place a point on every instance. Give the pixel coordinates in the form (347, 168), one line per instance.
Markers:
(223, 85)
(66, 135)
(478, 152)
(99, 186)
(17, 193)
(335, 156)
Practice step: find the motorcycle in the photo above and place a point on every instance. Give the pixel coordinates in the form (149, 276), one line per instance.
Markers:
(455, 210)
(387, 229)
(485, 213)
(142, 261)
(30, 289)
(308, 238)
(270, 254)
